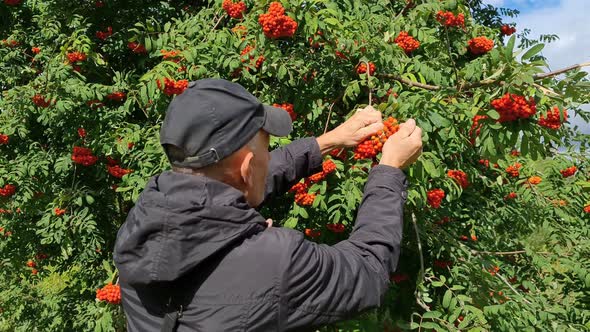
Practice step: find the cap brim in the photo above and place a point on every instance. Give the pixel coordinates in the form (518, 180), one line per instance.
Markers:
(277, 121)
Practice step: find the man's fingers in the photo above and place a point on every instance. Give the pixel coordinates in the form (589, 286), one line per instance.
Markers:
(370, 129)
(269, 222)
(417, 134)
(407, 128)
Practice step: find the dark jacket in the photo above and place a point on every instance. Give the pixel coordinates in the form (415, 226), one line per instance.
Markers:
(197, 239)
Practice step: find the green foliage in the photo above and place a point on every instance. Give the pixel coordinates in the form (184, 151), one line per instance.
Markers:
(537, 242)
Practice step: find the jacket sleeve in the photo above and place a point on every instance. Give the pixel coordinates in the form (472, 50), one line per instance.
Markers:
(290, 163)
(323, 284)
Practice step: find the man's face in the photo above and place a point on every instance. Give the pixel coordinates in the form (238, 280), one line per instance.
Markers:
(259, 169)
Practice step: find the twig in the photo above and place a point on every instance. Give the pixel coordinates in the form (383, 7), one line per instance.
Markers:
(411, 83)
(560, 71)
(512, 288)
(369, 83)
(330, 111)
(214, 27)
(451, 55)
(408, 4)
(418, 299)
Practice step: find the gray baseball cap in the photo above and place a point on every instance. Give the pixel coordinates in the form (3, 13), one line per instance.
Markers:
(213, 118)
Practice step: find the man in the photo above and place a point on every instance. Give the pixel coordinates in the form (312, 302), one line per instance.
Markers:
(195, 255)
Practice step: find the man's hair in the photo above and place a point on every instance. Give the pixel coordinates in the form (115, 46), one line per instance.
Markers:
(176, 154)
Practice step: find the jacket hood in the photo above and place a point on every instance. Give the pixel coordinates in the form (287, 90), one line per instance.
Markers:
(178, 222)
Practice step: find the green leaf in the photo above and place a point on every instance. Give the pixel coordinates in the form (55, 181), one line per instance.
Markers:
(532, 51)
(509, 47)
(447, 298)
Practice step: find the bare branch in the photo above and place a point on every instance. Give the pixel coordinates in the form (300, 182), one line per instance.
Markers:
(512, 288)
(561, 71)
(410, 83)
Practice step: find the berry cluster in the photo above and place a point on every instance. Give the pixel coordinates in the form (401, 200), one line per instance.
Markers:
(507, 30)
(234, 10)
(275, 24)
(370, 147)
(435, 197)
(103, 35)
(513, 170)
(476, 126)
(304, 199)
(136, 48)
(553, 119)
(448, 19)
(109, 293)
(511, 195)
(362, 68)
(40, 101)
(407, 42)
(312, 233)
(31, 263)
(493, 270)
(484, 162)
(172, 87)
(9, 43)
(336, 228)
(338, 154)
(245, 56)
(480, 45)
(327, 167)
(12, 2)
(74, 57)
(8, 190)
(170, 55)
(534, 180)
(465, 238)
(587, 208)
(515, 153)
(568, 171)
(117, 96)
(35, 50)
(239, 30)
(399, 277)
(4, 139)
(460, 177)
(117, 171)
(512, 107)
(59, 212)
(443, 220)
(289, 108)
(83, 156)
(81, 132)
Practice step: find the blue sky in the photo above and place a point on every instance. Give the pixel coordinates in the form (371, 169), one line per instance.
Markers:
(526, 6)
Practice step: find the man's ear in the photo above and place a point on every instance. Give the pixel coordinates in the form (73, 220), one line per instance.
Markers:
(246, 169)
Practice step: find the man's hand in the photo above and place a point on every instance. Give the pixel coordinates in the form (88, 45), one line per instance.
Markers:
(404, 147)
(364, 123)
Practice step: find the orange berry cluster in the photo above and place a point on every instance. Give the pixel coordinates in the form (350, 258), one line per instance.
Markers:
(435, 197)
(234, 10)
(312, 233)
(480, 45)
(362, 68)
(9, 43)
(511, 195)
(493, 270)
(465, 238)
(476, 127)
(172, 55)
(515, 153)
(512, 107)
(336, 228)
(136, 48)
(103, 35)
(117, 96)
(8, 190)
(513, 170)
(370, 147)
(328, 167)
(117, 171)
(35, 50)
(172, 87)
(245, 57)
(83, 156)
(407, 42)
(460, 177)
(553, 120)
(534, 180)
(568, 171)
(302, 197)
(74, 57)
(40, 101)
(109, 293)
(289, 108)
(59, 212)
(4, 139)
(587, 208)
(507, 30)
(275, 24)
(449, 19)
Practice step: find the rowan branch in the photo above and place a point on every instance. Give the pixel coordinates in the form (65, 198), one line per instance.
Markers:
(561, 71)
(505, 253)
(411, 83)
(512, 288)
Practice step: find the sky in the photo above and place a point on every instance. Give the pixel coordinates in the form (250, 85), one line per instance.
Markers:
(569, 19)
